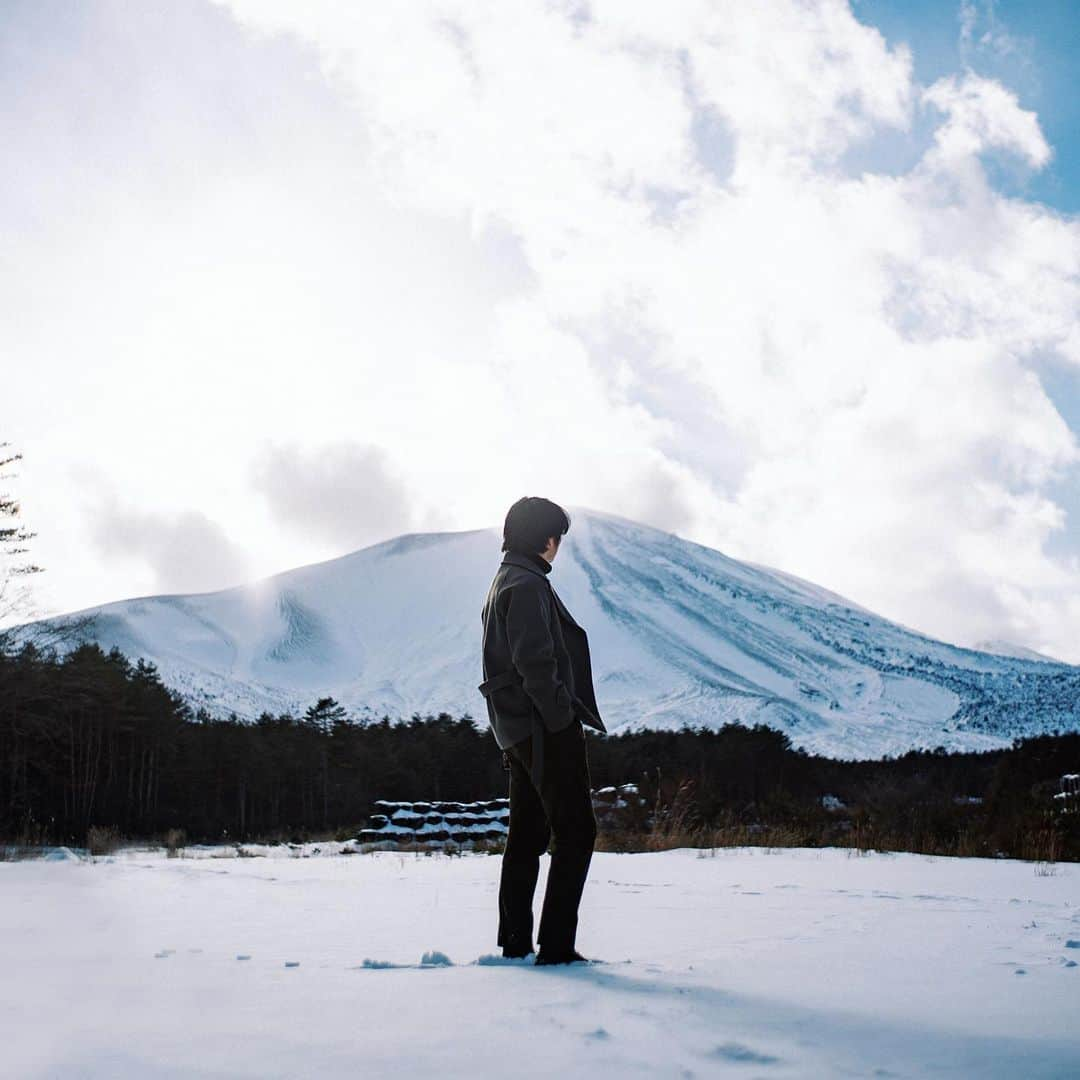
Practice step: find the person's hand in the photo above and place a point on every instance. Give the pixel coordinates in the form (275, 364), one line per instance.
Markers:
(572, 730)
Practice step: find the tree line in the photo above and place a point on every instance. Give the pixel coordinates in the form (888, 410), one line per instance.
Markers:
(90, 739)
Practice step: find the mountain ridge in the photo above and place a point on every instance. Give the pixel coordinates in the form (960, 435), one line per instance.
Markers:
(680, 633)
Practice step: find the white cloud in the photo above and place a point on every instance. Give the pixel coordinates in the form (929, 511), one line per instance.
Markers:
(346, 493)
(607, 252)
(183, 552)
(857, 345)
(982, 115)
(982, 33)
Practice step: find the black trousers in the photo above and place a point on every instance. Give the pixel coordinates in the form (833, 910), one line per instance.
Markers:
(558, 811)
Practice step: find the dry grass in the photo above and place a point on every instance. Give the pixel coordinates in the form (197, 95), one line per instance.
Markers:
(703, 838)
(102, 839)
(1041, 848)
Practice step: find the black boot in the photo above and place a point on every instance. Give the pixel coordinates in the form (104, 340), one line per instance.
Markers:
(573, 957)
(517, 952)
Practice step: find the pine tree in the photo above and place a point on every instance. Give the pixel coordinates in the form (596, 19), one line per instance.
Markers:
(324, 714)
(14, 540)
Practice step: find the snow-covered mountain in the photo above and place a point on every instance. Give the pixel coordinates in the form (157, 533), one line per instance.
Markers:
(679, 633)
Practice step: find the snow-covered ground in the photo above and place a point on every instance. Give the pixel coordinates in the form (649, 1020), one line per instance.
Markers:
(739, 963)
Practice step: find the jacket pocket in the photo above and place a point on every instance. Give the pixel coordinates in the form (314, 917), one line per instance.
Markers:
(497, 682)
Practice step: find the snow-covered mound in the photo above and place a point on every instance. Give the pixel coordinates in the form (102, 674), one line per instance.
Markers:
(436, 823)
(679, 632)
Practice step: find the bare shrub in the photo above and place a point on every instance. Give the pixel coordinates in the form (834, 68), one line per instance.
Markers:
(102, 839)
(676, 824)
(1044, 846)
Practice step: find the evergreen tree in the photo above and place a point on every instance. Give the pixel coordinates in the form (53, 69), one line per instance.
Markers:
(324, 714)
(15, 569)
(14, 540)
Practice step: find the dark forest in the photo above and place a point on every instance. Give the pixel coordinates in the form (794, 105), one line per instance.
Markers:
(92, 741)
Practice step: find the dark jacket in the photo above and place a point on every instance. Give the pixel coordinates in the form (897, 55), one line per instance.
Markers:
(537, 671)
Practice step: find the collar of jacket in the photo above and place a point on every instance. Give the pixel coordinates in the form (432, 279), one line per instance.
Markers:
(541, 567)
(536, 564)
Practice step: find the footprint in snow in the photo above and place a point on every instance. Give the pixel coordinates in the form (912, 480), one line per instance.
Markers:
(432, 959)
(743, 1055)
(435, 959)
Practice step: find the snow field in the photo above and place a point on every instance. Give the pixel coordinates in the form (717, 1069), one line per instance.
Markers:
(740, 963)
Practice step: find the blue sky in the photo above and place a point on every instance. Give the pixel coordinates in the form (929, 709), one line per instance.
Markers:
(1032, 46)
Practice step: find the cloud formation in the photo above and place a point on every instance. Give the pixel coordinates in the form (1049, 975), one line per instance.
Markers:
(183, 552)
(615, 252)
(858, 349)
(346, 494)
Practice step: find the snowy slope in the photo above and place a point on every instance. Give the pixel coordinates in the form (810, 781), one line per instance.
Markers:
(1010, 648)
(679, 632)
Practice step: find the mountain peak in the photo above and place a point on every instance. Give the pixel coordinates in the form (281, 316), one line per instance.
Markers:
(680, 634)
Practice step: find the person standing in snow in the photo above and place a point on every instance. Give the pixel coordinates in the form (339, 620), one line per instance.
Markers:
(539, 693)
